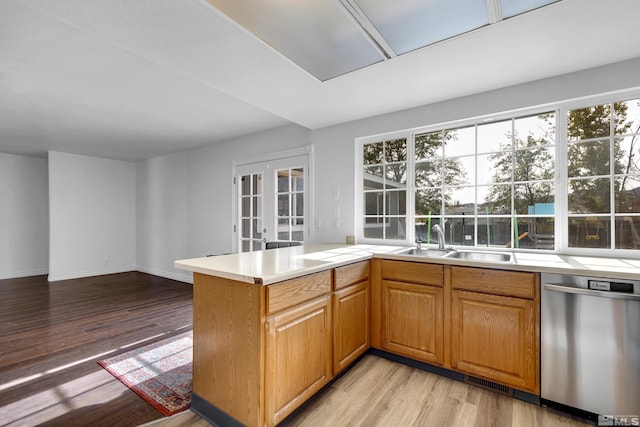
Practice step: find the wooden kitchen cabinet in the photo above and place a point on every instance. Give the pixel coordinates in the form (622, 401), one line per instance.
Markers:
(412, 321)
(260, 351)
(298, 356)
(495, 326)
(351, 319)
(412, 310)
(275, 346)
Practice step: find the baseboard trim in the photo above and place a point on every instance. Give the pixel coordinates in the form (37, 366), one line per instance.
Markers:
(417, 364)
(212, 414)
(90, 273)
(166, 274)
(17, 274)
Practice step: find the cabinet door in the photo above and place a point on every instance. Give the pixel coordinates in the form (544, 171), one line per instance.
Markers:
(298, 356)
(351, 324)
(494, 337)
(412, 320)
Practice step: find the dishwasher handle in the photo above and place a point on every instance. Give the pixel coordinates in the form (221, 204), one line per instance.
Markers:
(592, 292)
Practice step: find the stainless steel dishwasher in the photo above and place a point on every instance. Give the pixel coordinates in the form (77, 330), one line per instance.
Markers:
(590, 344)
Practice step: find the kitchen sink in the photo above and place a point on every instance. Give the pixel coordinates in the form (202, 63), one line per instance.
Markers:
(480, 256)
(428, 252)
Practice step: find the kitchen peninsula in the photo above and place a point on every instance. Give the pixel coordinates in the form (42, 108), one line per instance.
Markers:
(271, 328)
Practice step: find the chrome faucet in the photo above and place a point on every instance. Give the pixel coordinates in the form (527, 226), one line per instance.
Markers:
(438, 229)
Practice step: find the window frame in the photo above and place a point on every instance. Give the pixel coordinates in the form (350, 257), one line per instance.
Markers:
(560, 181)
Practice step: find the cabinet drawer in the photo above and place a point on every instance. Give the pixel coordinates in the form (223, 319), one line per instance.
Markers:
(350, 274)
(509, 283)
(414, 272)
(292, 292)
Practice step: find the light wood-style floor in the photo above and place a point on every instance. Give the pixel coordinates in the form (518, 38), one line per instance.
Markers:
(379, 392)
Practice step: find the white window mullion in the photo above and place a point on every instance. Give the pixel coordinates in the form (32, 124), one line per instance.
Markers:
(561, 182)
(612, 174)
(411, 186)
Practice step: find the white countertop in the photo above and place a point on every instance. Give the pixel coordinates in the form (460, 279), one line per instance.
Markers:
(276, 265)
(614, 268)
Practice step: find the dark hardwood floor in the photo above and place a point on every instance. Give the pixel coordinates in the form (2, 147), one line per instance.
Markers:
(52, 335)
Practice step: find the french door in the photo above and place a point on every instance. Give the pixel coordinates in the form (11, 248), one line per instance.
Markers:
(271, 202)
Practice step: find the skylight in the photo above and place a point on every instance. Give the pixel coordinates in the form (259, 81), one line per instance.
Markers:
(328, 38)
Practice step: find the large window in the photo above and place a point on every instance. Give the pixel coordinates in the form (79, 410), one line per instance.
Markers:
(604, 176)
(385, 189)
(496, 183)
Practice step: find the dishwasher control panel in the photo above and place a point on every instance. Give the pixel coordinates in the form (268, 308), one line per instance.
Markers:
(604, 285)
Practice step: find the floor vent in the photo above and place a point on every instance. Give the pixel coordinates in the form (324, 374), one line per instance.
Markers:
(489, 385)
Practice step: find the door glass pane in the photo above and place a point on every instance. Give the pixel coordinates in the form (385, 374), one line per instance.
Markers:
(283, 205)
(283, 181)
(257, 183)
(298, 204)
(246, 206)
(246, 228)
(245, 187)
(299, 179)
(290, 201)
(250, 209)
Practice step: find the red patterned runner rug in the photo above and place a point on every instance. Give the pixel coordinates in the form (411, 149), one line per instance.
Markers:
(161, 373)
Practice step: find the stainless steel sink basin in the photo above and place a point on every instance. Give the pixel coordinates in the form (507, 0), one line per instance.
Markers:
(481, 256)
(427, 252)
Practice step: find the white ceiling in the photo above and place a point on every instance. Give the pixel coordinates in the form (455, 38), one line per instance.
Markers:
(136, 79)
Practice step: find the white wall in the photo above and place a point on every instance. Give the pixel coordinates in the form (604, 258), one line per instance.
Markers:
(24, 216)
(205, 174)
(92, 216)
(184, 199)
(162, 227)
